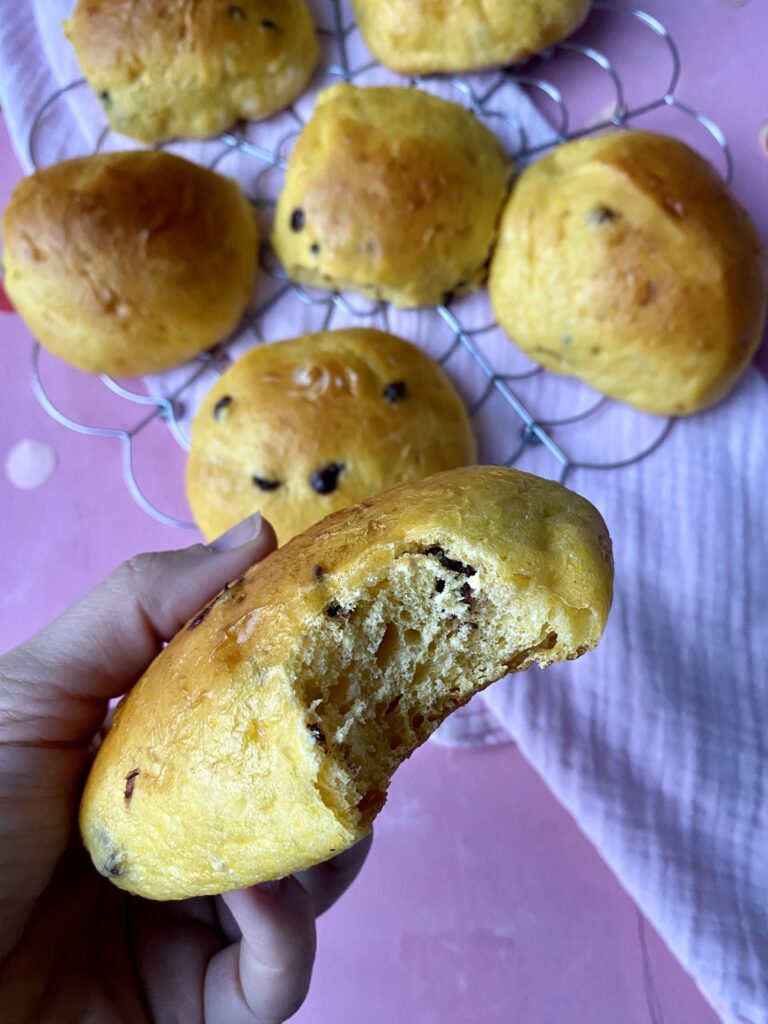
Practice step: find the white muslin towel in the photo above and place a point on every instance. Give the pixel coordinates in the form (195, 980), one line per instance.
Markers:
(657, 743)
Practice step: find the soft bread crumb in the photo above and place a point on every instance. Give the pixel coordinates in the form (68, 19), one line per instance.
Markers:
(393, 659)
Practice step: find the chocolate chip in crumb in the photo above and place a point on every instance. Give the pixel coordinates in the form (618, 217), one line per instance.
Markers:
(130, 782)
(236, 13)
(113, 865)
(201, 616)
(317, 734)
(268, 23)
(335, 611)
(314, 248)
(393, 703)
(450, 563)
(395, 391)
(467, 595)
(326, 480)
(318, 572)
(265, 484)
(221, 406)
(601, 214)
(439, 586)
(297, 220)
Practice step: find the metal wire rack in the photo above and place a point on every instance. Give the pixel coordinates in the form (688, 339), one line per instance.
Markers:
(519, 410)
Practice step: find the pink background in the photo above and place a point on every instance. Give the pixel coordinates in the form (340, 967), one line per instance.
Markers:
(481, 901)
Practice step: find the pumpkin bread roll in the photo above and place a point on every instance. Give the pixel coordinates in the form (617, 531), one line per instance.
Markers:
(129, 263)
(393, 193)
(301, 428)
(427, 36)
(191, 68)
(624, 260)
(262, 739)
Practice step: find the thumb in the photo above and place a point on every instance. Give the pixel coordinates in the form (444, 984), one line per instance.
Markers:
(53, 688)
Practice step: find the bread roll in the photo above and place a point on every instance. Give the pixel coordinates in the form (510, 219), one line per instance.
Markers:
(392, 193)
(187, 69)
(301, 428)
(129, 263)
(625, 261)
(425, 36)
(261, 741)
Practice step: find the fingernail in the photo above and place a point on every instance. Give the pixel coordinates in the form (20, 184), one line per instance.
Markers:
(239, 535)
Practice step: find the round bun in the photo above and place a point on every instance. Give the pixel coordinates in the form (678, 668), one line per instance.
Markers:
(625, 261)
(425, 36)
(304, 427)
(190, 70)
(393, 193)
(129, 263)
(262, 740)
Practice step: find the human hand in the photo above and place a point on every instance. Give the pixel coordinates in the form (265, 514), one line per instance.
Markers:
(72, 946)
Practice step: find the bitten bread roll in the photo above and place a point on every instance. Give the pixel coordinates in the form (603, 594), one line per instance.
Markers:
(425, 36)
(129, 263)
(624, 260)
(301, 428)
(392, 193)
(262, 740)
(191, 68)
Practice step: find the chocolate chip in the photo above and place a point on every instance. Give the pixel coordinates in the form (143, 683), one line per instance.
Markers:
(326, 480)
(113, 866)
(393, 704)
(601, 215)
(314, 248)
(467, 595)
(105, 98)
(439, 586)
(297, 220)
(317, 734)
(318, 572)
(223, 403)
(265, 484)
(450, 563)
(395, 391)
(130, 782)
(268, 23)
(237, 13)
(201, 616)
(335, 611)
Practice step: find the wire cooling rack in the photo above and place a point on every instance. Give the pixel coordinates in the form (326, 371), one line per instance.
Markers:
(522, 414)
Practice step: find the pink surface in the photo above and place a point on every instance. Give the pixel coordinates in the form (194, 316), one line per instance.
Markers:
(481, 902)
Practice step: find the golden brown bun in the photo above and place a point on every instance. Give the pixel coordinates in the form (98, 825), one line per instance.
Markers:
(624, 260)
(425, 36)
(129, 263)
(262, 740)
(301, 428)
(393, 193)
(191, 68)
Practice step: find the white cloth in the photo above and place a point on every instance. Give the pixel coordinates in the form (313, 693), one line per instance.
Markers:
(657, 742)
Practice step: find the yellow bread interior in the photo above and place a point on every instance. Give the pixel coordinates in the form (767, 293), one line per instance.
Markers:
(261, 741)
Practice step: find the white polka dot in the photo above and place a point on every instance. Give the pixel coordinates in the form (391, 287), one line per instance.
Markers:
(29, 464)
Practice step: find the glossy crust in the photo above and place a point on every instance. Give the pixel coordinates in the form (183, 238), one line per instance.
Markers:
(191, 68)
(373, 406)
(209, 778)
(424, 36)
(129, 263)
(393, 193)
(624, 260)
